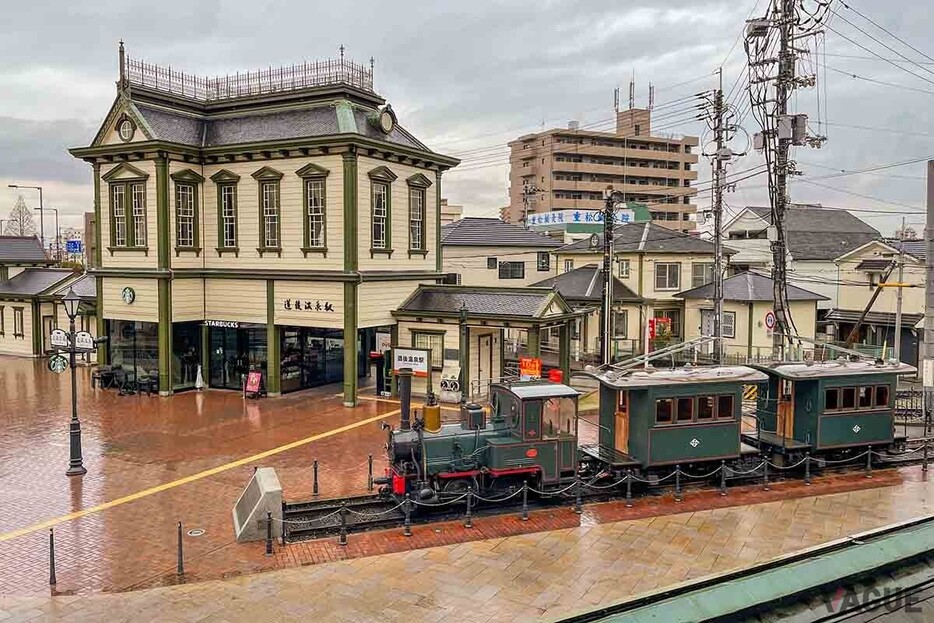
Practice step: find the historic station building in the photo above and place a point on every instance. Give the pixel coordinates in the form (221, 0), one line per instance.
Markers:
(267, 221)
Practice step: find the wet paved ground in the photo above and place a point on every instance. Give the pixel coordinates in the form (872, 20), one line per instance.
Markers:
(134, 443)
(523, 577)
(155, 461)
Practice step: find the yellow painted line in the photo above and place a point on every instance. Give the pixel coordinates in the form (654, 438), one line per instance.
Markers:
(187, 479)
(396, 402)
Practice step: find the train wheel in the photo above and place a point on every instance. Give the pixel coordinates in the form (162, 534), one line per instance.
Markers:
(458, 486)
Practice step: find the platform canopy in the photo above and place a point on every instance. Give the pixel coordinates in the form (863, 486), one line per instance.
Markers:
(640, 378)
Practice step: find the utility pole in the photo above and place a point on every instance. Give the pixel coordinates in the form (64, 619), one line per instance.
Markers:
(898, 299)
(927, 365)
(783, 84)
(718, 224)
(611, 198)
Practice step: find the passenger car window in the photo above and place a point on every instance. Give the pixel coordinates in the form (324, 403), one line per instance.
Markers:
(865, 397)
(725, 407)
(882, 395)
(705, 407)
(685, 409)
(663, 411)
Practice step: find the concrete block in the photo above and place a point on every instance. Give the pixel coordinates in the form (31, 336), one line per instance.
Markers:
(263, 493)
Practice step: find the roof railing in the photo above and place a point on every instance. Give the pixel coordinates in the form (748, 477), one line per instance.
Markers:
(239, 85)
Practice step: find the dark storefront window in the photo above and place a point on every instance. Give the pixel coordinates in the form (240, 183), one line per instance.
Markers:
(134, 346)
(311, 357)
(186, 354)
(234, 352)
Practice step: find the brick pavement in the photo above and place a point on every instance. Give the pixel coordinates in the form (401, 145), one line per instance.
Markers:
(132, 443)
(522, 577)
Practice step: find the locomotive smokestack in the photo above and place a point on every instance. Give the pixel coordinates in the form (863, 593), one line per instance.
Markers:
(405, 398)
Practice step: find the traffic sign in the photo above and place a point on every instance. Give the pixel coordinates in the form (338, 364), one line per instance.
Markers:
(59, 338)
(770, 320)
(73, 246)
(58, 364)
(84, 341)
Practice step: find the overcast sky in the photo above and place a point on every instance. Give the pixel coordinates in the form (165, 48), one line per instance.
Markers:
(467, 77)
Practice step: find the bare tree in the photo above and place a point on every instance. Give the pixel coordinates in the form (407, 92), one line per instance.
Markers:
(20, 222)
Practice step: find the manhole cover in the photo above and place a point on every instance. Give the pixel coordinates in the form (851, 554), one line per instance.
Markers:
(196, 532)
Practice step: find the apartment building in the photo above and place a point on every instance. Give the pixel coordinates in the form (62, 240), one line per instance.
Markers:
(570, 168)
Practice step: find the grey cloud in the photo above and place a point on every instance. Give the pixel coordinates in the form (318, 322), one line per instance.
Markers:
(37, 149)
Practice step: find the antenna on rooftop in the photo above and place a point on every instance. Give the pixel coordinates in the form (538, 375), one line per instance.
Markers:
(632, 90)
(651, 96)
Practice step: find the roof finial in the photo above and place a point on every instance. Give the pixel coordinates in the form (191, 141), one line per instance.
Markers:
(122, 55)
(342, 51)
(372, 63)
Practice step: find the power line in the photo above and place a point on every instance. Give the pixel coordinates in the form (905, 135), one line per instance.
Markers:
(888, 32)
(881, 82)
(916, 209)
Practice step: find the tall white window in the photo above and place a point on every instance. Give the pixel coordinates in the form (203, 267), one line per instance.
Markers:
(185, 215)
(380, 215)
(701, 274)
(314, 192)
(139, 214)
(417, 219)
(118, 195)
(229, 215)
(270, 195)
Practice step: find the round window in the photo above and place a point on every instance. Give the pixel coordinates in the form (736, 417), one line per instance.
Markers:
(126, 130)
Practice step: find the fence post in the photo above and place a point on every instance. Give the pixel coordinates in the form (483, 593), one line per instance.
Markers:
(577, 495)
(807, 469)
(52, 580)
(468, 522)
(722, 477)
(314, 490)
(525, 500)
(629, 488)
(269, 533)
(765, 474)
(869, 462)
(180, 563)
(678, 483)
(342, 539)
(924, 459)
(407, 526)
(369, 473)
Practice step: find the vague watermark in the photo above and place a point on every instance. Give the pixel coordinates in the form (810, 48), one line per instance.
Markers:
(891, 599)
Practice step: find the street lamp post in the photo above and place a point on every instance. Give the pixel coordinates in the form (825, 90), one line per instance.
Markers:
(75, 463)
(58, 237)
(41, 221)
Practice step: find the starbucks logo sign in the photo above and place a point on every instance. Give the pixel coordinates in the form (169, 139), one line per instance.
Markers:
(128, 295)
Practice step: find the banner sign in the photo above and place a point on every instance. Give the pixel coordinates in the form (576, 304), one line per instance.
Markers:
(59, 338)
(73, 246)
(84, 341)
(417, 359)
(530, 368)
(566, 217)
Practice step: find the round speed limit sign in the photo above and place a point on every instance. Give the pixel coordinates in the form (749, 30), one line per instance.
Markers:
(770, 320)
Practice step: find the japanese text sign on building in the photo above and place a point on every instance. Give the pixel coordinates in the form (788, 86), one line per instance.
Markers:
(557, 218)
(530, 368)
(416, 359)
(307, 305)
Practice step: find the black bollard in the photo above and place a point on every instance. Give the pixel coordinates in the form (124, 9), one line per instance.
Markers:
(924, 460)
(180, 563)
(629, 488)
(525, 500)
(314, 490)
(678, 497)
(722, 477)
(577, 495)
(869, 463)
(407, 508)
(342, 539)
(369, 474)
(765, 475)
(52, 580)
(807, 469)
(468, 522)
(269, 533)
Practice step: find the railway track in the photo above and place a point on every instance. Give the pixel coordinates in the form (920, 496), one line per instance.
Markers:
(316, 519)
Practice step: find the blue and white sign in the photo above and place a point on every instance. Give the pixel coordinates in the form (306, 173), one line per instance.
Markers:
(74, 246)
(554, 220)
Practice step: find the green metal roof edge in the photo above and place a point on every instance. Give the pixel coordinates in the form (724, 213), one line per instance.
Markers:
(778, 584)
(346, 124)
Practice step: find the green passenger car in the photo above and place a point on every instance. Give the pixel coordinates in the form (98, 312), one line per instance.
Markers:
(828, 405)
(660, 417)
